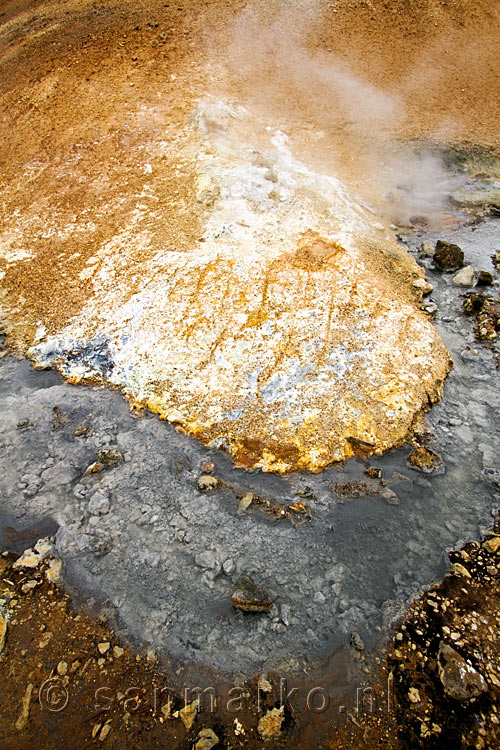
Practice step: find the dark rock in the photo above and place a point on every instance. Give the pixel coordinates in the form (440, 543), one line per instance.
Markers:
(485, 278)
(250, 598)
(460, 680)
(448, 257)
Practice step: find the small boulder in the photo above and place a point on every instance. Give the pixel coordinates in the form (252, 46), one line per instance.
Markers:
(460, 680)
(448, 257)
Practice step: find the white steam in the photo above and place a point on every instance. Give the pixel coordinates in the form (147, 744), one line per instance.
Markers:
(343, 124)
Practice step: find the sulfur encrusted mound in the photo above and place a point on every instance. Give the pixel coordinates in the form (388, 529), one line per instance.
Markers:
(287, 332)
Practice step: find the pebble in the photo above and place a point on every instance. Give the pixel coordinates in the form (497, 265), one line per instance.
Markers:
(103, 647)
(31, 558)
(250, 598)
(427, 249)
(206, 482)
(459, 570)
(485, 278)
(270, 724)
(29, 586)
(62, 668)
(110, 457)
(207, 739)
(206, 559)
(423, 286)
(188, 714)
(264, 685)
(23, 717)
(245, 502)
(492, 545)
(356, 642)
(54, 570)
(414, 695)
(105, 731)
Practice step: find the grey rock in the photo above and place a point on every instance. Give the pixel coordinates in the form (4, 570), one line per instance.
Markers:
(427, 249)
(464, 277)
(99, 503)
(206, 559)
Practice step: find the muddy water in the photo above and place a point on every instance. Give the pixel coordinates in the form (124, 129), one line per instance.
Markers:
(165, 558)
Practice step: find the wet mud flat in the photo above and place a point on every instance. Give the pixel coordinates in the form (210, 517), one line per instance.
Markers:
(341, 553)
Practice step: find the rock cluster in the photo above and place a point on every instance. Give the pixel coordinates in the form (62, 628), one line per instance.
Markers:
(445, 656)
